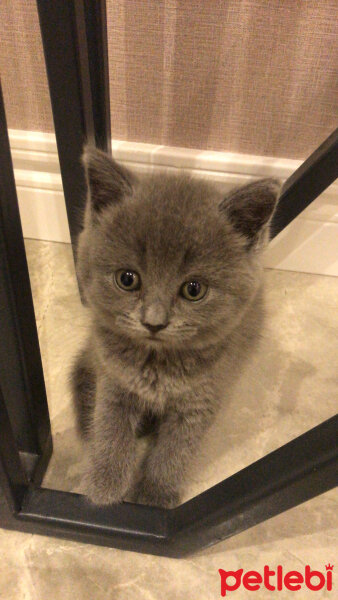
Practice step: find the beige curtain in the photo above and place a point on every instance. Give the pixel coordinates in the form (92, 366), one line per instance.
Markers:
(251, 76)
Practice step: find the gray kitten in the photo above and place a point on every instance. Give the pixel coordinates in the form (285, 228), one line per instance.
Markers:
(171, 273)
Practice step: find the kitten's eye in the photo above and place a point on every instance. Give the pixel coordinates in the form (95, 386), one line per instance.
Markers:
(128, 280)
(193, 290)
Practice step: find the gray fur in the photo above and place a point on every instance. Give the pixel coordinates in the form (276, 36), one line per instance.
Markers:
(168, 229)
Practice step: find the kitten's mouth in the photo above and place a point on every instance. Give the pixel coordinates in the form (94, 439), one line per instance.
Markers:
(155, 339)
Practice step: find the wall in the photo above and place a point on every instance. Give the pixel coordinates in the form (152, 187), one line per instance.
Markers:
(248, 76)
(309, 244)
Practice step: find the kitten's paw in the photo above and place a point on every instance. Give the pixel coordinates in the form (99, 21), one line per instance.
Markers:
(148, 492)
(102, 488)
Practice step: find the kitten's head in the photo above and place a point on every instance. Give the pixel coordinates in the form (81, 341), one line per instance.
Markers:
(167, 261)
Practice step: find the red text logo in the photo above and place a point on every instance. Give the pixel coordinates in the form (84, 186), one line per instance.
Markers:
(276, 579)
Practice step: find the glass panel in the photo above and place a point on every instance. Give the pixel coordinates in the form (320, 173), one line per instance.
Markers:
(286, 387)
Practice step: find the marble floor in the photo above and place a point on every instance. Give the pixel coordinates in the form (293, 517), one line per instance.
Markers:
(288, 387)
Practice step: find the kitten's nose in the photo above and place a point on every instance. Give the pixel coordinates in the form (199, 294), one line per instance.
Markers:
(155, 328)
(154, 317)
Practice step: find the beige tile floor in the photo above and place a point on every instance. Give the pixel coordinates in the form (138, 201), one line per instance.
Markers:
(289, 386)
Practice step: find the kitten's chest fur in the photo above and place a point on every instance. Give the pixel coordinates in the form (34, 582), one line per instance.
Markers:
(158, 378)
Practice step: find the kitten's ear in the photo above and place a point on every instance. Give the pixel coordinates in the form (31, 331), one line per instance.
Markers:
(250, 208)
(108, 182)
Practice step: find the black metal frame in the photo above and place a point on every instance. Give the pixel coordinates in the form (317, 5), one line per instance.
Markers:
(296, 472)
(74, 36)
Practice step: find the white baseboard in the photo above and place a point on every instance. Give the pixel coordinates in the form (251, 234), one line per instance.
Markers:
(309, 244)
